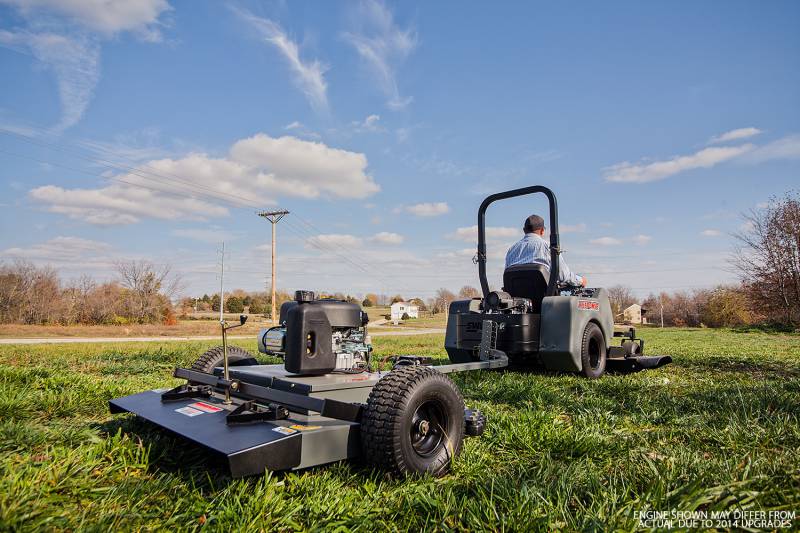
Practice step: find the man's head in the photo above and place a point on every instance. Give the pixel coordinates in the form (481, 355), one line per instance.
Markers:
(534, 224)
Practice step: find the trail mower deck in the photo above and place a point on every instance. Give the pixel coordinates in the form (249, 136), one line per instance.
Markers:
(275, 421)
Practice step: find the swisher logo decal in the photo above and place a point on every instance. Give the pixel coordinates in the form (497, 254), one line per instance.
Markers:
(588, 305)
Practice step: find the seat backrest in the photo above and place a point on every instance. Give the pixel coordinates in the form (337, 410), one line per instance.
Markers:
(527, 280)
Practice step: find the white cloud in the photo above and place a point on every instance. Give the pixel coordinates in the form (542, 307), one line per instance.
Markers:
(294, 125)
(575, 228)
(309, 76)
(335, 240)
(121, 204)
(642, 239)
(208, 235)
(428, 209)
(257, 170)
(75, 62)
(104, 16)
(606, 241)
(371, 123)
(470, 233)
(65, 249)
(382, 45)
(70, 253)
(734, 135)
(645, 172)
(784, 148)
(385, 237)
(710, 233)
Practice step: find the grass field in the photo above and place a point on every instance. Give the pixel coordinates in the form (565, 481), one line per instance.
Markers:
(716, 430)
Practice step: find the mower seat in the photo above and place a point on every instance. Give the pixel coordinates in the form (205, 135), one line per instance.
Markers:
(527, 280)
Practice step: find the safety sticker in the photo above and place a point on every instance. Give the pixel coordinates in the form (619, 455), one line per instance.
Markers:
(298, 427)
(205, 407)
(189, 411)
(588, 305)
(285, 431)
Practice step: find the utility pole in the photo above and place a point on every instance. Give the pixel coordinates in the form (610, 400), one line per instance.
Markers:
(274, 217)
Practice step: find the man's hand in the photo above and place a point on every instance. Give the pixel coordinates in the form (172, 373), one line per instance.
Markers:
(583, 281)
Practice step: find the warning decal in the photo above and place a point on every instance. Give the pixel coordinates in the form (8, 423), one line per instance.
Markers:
(206, 408)
(188, 411)
(285, 431)
(588, 305)
(298, 427)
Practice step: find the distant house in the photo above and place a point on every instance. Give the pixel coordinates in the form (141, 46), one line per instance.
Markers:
(404, 308)
(634, 314)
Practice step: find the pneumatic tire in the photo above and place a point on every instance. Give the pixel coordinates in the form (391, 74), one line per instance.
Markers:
(413, 422)
(593, 351)
(214, 358)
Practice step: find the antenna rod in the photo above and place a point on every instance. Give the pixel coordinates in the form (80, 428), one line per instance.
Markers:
(274, 217)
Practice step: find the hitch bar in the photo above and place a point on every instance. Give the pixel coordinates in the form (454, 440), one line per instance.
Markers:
(298, 403)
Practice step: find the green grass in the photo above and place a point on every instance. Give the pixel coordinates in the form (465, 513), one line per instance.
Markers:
(716, 430)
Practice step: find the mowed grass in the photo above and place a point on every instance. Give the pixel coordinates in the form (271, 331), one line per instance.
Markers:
(718, 429)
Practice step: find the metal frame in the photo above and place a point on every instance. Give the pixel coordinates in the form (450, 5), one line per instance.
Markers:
(555, 250)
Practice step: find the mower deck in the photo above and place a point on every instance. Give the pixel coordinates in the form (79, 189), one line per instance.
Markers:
(301, 440)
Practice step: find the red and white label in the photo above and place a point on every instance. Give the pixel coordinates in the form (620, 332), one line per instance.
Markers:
(588, 305)
(188, 411)
(206, 407)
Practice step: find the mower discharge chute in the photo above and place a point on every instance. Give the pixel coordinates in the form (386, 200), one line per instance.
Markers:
(325, 403)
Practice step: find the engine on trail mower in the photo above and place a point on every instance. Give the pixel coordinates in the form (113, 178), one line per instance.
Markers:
(318, 336)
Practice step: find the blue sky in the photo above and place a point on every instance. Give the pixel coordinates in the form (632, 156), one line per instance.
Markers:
(149, 129)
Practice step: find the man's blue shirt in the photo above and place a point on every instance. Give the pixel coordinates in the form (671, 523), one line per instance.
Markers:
(534, 249)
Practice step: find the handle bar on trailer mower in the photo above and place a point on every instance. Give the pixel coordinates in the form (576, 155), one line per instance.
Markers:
(552, 284)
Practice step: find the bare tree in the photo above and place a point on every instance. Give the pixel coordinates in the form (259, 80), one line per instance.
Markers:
(442, 300)
(768, 259)
(147, 289)
(620, 298)
(468, 292)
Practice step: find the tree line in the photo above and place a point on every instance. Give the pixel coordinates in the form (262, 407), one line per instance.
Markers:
(141, 294)
(766, 259)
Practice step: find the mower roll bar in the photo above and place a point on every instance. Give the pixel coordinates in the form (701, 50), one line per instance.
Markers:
(552, 284)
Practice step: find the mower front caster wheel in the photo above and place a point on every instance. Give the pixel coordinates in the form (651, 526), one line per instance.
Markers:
(413, 422)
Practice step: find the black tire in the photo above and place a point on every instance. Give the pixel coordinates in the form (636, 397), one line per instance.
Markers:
(413, 422)
(214, 358)
(593, 351)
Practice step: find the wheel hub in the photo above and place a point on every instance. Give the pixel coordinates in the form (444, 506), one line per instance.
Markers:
(427, 428)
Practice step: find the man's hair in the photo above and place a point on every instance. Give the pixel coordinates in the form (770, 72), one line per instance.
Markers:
(533, 223)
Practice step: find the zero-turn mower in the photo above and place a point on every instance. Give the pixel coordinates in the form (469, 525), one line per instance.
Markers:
(326, 403)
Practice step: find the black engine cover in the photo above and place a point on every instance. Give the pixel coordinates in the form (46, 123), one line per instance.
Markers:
(340, 314)
(309, 349)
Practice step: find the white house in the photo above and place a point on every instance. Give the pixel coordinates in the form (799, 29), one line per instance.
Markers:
(404, 308)
(634, 314)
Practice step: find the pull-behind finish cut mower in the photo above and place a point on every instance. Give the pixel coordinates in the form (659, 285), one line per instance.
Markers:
(326, 403)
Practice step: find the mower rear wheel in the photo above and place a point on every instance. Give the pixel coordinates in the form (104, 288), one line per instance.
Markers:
(413, 422)
(214, 358)
(593, 351)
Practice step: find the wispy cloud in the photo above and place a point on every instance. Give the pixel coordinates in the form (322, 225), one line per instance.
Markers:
(734, 135)
(787, 147)
(641, 240)
(710, 233)
(386, 237)
(658, 170)
(309, 76)
(383, 46)
(425, 209)
(470, 233)
(606, 241)
(65, 38)
(75, 62)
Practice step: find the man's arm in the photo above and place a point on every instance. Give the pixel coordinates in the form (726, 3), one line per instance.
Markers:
(565, 275)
